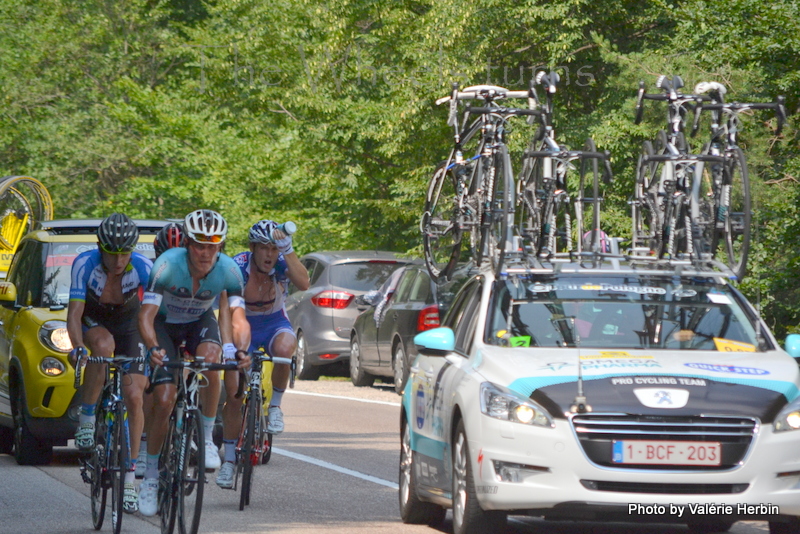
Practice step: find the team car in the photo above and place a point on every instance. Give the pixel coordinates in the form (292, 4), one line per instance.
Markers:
(38, 400)
(628, 391)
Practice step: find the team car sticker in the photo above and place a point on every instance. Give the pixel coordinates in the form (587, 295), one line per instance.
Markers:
(657, 381)
(520, 341)
(728, 345)
(718, 298)
(539, 287)
(420, 406)
(614, 354)
(684, 293)
(728, 369)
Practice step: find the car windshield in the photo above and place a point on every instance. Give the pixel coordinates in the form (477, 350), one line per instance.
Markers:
(362, 276)
(58, 268)
(620, 313)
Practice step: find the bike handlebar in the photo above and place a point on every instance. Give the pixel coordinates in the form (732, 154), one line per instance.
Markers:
(736, 107)
(503, 111)
(200, 365)
(685, 157)
(116, 361)
(575, 154)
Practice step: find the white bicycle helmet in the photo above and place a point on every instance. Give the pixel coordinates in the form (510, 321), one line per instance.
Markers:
(261, 232)
(205, 226)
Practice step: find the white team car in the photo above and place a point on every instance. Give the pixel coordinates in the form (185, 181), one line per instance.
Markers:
(626, 392)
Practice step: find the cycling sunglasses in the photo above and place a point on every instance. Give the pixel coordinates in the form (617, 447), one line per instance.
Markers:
(203, 238)
(119, 250)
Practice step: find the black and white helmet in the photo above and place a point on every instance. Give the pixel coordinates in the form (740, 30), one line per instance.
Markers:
(261, 232)
(117, 234)
(205, 226)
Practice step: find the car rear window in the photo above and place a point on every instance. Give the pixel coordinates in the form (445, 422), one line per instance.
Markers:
(362, 276)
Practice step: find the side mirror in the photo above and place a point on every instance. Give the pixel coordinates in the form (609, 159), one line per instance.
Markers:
(793, 345)
(8, 292)
(436, 342)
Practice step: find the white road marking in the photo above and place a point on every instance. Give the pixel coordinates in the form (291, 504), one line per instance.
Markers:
(295, 392)
(334, 467)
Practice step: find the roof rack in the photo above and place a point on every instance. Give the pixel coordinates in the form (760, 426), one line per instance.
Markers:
(606, 263)
(89, 226)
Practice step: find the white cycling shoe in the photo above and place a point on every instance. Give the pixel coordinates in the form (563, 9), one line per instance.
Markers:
(212, 456)
(225, 475)
(275, 420)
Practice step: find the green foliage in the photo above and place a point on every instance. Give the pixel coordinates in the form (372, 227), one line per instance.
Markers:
(323, 112)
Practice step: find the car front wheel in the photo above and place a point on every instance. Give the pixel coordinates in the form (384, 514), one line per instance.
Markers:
(358, 375)
(413, 510)
(305, 371)
(28, 449)
(468, 516)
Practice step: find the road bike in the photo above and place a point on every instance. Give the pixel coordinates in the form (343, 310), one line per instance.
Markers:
(182, 457)
(471, 198)
(105, 467)
(728, 183)
(254, 442)
(544, 208)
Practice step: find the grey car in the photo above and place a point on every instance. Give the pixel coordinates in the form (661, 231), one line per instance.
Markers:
(323, 315)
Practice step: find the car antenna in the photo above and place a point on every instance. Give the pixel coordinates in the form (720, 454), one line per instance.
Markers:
(579, 405)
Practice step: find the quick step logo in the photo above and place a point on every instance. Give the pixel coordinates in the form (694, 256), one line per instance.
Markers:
(727, 369)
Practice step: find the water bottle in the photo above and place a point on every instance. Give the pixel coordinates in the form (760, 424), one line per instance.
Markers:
(288, 227)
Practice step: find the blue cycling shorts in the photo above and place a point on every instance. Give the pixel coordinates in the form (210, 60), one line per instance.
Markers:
(265, 328)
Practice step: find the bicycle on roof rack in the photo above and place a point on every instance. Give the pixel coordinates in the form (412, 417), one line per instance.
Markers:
(680, 205)
(544, 212)
(728, 183)
(471, 198)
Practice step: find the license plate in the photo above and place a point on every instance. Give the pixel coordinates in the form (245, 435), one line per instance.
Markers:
(667, 452)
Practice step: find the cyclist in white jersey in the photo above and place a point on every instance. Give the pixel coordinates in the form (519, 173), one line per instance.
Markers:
(177, 308)
(267, 269)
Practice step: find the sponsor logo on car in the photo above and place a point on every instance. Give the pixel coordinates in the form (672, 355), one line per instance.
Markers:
(727, 369)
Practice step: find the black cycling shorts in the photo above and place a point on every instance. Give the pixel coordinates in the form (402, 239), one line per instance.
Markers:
(172, 336)
(127, 341)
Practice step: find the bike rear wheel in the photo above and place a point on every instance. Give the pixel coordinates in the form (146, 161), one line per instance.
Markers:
(119, 452)
(731, 240)
(96, 465)
(441, 224)
(191, 473)
(501, 209)
(647, 231)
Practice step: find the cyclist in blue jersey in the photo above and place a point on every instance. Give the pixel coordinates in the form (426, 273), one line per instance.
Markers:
(104, 301)
(267, 269)
(177, 308)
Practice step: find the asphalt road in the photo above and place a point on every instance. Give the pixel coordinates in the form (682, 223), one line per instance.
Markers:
(334, 470)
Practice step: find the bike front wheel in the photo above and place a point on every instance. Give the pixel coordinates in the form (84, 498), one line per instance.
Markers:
(168, 469)
(647, 228)
(96, 465)
(441, 224)
(191, 475)
(501, 209)
(119, 452)
(249, 455)
(731, 238)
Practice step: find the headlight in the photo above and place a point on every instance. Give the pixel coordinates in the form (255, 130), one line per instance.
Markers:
(52, 366)
(788, 418)
(54, 336)
(506, 405)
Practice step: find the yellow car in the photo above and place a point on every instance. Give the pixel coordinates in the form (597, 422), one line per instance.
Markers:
(38, 401)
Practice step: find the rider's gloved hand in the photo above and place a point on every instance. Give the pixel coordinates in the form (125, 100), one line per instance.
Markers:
(282, 241)
(77, 354)
(228, 353)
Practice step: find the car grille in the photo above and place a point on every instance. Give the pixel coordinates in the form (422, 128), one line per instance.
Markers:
(596, 432)
(664, 489)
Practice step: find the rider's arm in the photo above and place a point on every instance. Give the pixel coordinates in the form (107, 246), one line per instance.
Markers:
(74, 328)
(147, 315)
(296, 271)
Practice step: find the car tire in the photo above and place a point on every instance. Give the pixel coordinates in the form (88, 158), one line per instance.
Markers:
(305, 371)
(28, 449)
(358, 375)
(400, 367)
(6, 440)
(792, 526)
(413, 510)
(468, 516)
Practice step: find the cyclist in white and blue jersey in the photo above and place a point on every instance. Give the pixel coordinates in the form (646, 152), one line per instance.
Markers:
(267, 269)
(104, 300)
(177, 308)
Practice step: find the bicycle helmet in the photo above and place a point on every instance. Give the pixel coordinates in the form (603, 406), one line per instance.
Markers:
(170, 236)
(205, 226)
(117, 234)
(261, 232)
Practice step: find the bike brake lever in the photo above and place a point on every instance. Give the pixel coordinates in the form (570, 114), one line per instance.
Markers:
(698, 109)
(240, 389)
(639, 104)
(781, 113)
(608, 177)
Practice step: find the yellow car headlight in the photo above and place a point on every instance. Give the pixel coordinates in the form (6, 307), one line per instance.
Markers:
(54, 336)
